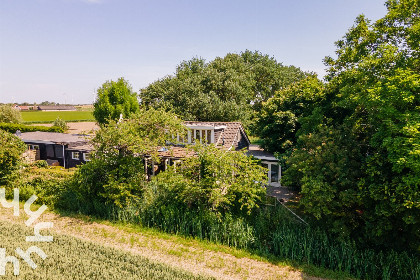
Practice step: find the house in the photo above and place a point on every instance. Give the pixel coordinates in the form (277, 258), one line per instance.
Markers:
(26, 108)
(229, 136)
(22, 107)
(269, 161)
(56, 108)
(67, 150)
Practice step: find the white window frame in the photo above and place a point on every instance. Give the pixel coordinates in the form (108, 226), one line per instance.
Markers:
(73, 155)
(84, 156)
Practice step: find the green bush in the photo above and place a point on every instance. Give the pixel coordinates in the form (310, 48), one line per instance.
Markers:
(11, 149)
(40, 164)
(49, 184)
(12, 128)
(61, 124)
(9, 115)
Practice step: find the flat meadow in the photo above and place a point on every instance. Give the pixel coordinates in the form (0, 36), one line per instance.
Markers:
(50, 116)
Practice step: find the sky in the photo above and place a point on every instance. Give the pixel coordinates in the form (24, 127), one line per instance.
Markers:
(64, 50)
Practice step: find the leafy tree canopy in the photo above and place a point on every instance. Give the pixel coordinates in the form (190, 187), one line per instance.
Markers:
(281, 116)
(225, 89)
(357, 160)
(115, 99)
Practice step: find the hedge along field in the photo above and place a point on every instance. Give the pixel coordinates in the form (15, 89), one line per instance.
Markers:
(50, 116)
(72, 258)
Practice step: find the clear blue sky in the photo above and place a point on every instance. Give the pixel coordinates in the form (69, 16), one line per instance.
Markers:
(62, 50)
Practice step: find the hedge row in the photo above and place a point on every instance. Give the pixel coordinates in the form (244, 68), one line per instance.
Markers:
(13, 127)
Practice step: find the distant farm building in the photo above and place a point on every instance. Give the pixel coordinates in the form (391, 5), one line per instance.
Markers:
(57, 108)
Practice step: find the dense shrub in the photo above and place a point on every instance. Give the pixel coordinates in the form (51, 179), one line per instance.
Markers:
(48, 183)
(11, 149)
(61, 124)
(9, 115)
(12, 128)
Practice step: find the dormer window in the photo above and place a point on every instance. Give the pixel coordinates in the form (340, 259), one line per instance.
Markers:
(204, 135)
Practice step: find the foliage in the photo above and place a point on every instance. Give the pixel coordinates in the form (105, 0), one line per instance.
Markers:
(41, 163)
(61, 124)
(9, 115)
(12, 128)
(357, 157)
(281, 116)
(48, 183)
(87, 260)
(225, 89)
(315, 246)
(115, 173)
(115, 99)
(216, 180)
(11, 150)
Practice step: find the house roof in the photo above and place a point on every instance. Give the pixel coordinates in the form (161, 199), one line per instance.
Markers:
(175, 152)
(229, 132)
(56, 108)
(53, 137)
(258, 152)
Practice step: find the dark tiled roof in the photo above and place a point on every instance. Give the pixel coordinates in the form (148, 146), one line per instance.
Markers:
(55, 108)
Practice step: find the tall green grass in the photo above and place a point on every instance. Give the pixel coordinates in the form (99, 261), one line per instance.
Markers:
(279, 236)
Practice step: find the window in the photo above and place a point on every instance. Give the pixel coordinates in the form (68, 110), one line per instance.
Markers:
(86, 156)
(274, 173)
(33, 147)
(208, 136)
(75, 155)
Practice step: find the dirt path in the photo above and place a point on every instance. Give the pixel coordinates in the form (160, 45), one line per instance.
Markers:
(184, 255)
(77, 127)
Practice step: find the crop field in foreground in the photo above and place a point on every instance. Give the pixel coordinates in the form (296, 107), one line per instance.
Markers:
(73, 258)
(50, 116)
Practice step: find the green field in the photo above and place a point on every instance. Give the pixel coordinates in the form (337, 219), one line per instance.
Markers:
(50, 116)
(73, 258)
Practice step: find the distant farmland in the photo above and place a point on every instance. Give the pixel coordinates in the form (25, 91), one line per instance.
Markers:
(50, 116)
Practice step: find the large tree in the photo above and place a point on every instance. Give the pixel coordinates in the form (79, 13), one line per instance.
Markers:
(115, 174)
(225, 89)
(115, 99)
(281, 116)
(358, 163)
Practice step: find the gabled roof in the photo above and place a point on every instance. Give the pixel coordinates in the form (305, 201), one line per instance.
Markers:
(229, 132)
